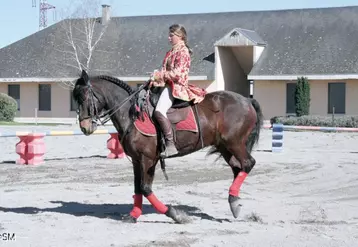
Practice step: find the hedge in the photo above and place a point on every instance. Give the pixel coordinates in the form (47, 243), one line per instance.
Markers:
(324, 121)
(8, 108)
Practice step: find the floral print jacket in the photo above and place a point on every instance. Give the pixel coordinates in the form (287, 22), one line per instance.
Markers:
(175, 73)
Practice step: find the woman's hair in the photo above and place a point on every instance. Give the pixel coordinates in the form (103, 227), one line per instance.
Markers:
(180, 31)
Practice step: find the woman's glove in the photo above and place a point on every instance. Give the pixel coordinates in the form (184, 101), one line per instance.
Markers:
(151, 79)
(156, 75)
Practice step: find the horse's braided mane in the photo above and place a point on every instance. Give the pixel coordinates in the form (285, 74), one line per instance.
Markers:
(118, 82)
(133, 113)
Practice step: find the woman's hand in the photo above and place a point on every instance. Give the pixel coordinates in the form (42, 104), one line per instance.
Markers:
(156, 75)
(152, 78)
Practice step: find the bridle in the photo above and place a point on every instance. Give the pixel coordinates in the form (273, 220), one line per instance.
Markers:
(94, 113)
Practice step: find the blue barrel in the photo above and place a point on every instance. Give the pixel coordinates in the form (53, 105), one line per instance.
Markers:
(277, 138)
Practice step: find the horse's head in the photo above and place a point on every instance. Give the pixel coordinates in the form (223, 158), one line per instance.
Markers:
(89, 105)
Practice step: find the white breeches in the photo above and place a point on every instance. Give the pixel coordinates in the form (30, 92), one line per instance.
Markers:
(165, 101)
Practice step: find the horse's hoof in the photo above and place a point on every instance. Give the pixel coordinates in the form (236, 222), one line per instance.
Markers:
(235, 205)
(129, 219)
(178, 216)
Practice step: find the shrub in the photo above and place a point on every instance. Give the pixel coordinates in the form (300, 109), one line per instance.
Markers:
(8, 108)
(302, 97)
(324, 121)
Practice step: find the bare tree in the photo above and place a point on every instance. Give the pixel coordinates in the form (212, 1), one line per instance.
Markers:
(79, 38)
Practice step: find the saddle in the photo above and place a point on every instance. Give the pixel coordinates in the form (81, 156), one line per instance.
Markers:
(181, 116)
(148, 100)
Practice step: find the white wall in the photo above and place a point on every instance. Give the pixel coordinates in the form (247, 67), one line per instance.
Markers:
(230, 74)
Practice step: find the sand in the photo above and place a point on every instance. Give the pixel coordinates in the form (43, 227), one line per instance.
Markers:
(305, 196)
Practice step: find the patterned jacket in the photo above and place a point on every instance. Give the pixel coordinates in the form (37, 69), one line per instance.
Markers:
(175, 73)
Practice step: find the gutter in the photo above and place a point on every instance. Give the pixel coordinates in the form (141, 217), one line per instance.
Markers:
(126, 79)
(309, 77)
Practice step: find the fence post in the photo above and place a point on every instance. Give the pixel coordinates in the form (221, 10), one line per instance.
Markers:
(21, 150)
(115, 147)
(36, 116)
(31, 149)
(36, 148)
(277, 138)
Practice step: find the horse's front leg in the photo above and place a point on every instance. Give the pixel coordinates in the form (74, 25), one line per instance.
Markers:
(148, 177)
(138, 196)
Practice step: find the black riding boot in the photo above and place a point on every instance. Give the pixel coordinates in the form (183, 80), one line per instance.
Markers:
(166, 127)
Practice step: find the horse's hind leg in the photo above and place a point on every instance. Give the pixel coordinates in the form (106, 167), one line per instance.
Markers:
(241, 163)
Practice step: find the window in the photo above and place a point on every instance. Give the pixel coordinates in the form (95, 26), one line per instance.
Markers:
(337, 97)
(14, 92)
(73, 103)
(44, 97)
(290, 98)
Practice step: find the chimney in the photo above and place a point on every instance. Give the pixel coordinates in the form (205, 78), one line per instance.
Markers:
(106, 16)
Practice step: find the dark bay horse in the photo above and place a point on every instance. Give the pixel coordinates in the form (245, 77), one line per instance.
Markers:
(229, 123)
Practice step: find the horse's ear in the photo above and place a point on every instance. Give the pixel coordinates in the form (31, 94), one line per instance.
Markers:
(85, 76)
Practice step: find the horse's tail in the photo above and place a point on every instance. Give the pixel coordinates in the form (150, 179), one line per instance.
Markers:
(255, 133)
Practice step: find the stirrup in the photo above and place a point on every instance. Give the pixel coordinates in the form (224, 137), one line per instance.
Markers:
(166, 153)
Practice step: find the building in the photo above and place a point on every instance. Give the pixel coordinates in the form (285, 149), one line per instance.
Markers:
(232, 50)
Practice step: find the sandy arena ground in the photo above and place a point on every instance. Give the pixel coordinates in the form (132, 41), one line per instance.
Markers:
(305, 196)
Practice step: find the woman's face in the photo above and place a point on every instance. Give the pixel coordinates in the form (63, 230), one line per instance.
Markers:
(173, 39)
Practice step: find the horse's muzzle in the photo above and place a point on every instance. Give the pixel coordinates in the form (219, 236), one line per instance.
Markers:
(88, 126)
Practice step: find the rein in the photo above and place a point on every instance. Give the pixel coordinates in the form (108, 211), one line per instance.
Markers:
(113, 110)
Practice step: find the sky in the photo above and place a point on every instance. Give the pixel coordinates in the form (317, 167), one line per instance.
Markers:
(18, 18)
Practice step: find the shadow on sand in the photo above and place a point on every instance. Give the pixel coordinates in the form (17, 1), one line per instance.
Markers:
(108, 211)
(263, 150)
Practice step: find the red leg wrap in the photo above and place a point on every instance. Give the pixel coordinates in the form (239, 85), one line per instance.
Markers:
(137, 208)
(159, 206)
(235, 186)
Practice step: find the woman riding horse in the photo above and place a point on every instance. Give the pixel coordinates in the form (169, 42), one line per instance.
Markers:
(173, 76)
(230, 124)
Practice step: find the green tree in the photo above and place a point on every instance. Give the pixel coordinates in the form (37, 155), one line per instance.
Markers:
(302, 97)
